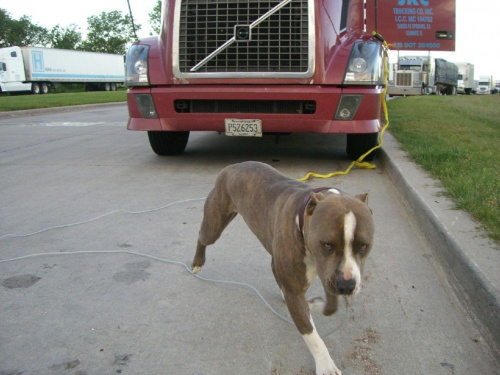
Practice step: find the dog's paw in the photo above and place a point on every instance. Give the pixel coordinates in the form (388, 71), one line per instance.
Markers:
(317, 304)
(327, 367)
(195, 269)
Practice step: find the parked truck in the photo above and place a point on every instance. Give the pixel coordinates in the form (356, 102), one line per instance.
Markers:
(35, 69)
(465, 84)
(421, 75)
(485, 85)
(247, 68)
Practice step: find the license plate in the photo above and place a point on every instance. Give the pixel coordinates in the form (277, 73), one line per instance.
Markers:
(243, 128)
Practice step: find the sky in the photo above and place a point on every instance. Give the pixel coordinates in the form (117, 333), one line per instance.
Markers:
(477, 25)
(49, 13)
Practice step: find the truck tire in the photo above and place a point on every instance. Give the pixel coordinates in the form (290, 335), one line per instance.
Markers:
(358, 144)
(35, 88)
(106, 86)
(168, 142)
(44, 88)
(113, 86)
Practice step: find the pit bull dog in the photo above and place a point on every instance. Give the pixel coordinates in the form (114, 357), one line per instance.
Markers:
(321, 232)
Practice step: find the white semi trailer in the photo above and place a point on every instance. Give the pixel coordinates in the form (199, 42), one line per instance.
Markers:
(465, 83)
(35, 69)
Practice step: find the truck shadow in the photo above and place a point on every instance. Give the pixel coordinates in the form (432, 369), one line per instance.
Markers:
(291, 154)
(270, 147)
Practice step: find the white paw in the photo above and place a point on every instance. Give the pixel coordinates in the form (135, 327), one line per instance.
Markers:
(195, 270)
(317, 304)
(327, 367)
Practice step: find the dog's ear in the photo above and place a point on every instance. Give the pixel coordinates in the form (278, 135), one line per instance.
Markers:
(363, 198)
(313, 201)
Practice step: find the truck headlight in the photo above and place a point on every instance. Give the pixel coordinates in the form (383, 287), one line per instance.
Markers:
(136, 63)
(365, 65)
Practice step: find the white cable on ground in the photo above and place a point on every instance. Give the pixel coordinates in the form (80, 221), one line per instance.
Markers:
(97, 218)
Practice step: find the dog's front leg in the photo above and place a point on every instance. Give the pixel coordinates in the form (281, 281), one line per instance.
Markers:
(327, 308)
(299, 310)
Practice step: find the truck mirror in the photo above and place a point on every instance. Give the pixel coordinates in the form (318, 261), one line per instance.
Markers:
(4, 67)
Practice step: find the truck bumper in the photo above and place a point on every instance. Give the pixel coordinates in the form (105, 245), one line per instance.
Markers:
(170, 117)
(404, 90)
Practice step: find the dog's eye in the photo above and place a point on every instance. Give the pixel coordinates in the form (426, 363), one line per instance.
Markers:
(363, 249)
(328, 246)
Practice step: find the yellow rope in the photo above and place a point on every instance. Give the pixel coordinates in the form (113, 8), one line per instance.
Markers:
(359, 162)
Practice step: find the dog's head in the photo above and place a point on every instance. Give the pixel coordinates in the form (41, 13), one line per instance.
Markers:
(338, 232)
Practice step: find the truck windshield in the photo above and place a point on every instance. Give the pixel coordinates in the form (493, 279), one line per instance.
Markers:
(410, 67)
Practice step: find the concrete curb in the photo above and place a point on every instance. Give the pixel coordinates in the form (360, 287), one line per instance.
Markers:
(40, 111)
(470, 258)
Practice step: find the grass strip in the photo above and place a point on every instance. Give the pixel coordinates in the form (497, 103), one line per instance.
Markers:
(456, 139)
(19, 102)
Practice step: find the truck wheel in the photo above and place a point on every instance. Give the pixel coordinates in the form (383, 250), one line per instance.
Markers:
(358, 144)
(35, 88)
(44, 88)
(113, 87)
(106, 86)
(168, 142)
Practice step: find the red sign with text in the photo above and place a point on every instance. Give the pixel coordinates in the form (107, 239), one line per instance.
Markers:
(416, 25)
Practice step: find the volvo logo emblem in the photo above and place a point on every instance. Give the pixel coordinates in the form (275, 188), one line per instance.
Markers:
(242, 33)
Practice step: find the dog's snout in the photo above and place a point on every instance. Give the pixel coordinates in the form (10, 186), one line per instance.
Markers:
(345, 286)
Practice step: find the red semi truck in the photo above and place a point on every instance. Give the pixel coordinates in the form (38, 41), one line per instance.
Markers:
(252, 67)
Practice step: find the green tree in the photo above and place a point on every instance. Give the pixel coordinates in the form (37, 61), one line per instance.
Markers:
(155, 18)
(109, 32)
(21, 32)
(65, 38)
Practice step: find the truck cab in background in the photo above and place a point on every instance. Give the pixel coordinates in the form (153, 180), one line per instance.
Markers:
(248, 68)
(496, 90)
(423, 75)
(485, 85)
(12, 76)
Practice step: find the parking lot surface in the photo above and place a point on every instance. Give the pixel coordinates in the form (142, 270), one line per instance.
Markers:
(92, 300)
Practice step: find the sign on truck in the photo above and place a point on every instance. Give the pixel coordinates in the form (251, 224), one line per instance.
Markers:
(35, 69)
(414, 25)
(247, 68)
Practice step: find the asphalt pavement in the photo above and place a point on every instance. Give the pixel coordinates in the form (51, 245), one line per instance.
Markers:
(102, 296)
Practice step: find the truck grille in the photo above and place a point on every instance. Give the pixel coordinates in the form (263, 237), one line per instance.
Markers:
(296, 107)
(404, 79)
(233, 38)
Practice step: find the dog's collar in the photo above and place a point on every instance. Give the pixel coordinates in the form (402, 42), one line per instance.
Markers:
(305, 201)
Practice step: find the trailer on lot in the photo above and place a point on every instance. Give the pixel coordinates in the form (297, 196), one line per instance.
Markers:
(465, 83)
(36, 69)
